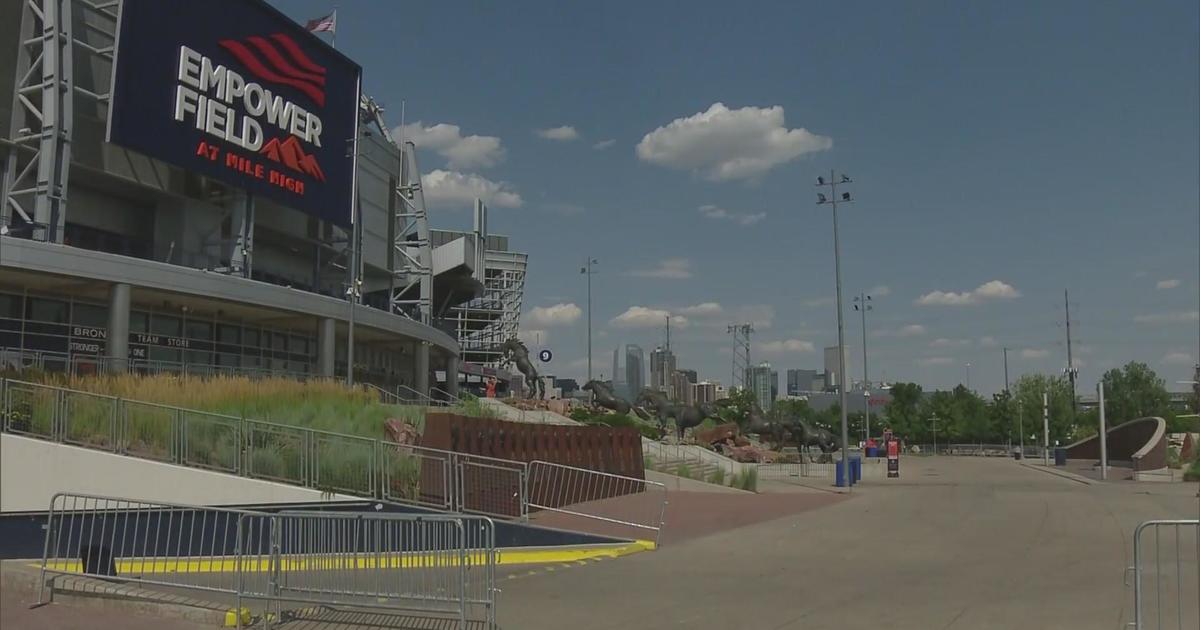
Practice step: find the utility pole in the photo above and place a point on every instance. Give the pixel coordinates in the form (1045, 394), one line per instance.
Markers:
(1103, 433)
(741, 351)
(587, 270)
(862, 305)
(1007, 393)
(1071, 370)
(837, 271)
(1045, 429)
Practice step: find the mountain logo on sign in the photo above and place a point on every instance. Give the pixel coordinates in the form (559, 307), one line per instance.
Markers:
(291, 154)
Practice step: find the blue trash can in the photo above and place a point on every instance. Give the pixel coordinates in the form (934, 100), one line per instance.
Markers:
(1060, 456)
(855, 470)
(872, 451)
(840, 474)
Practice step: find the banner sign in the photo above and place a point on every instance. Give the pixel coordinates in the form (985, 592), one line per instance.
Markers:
(236, 91)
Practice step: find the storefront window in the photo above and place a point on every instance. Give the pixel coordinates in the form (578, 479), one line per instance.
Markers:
(89, 315)
(229, 334)
(163, 325)
(201, 331)
(250, 337)
(10, 306)
(139, 322)
(43, 310)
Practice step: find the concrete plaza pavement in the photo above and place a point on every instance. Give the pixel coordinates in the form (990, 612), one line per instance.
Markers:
(956, 542)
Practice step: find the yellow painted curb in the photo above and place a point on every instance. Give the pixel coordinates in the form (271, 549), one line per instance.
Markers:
(526, 555)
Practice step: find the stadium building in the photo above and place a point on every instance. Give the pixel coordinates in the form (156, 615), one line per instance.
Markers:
(206, 190)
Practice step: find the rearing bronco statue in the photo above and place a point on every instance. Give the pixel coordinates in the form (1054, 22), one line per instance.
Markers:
(685, 416)
(515, 353)
(604, 396)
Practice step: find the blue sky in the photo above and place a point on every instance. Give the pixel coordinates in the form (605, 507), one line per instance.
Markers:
(1001, 154)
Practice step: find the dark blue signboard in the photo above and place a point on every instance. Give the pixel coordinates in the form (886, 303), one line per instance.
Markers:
(236, 91)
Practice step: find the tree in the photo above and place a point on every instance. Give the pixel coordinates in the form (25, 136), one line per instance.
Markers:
(792, 409)
(1134, 391)
(738, 406)
(1003, 417)
(903, 410)
(1027, 394)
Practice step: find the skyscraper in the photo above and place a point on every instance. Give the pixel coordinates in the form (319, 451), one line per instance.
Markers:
(635, 371)
(832, 376)
(662, 367)
(799, 381)
(761, 384)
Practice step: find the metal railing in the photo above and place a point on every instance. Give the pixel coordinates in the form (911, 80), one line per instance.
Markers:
(323, 460)
(669, 458)
(624, 503)
(442, 565)
(1165, 595)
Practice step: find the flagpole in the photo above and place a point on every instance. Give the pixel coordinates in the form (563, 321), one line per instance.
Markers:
(333, 37)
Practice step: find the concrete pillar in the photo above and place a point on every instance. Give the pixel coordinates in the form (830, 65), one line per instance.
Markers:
(452, 374)
(326, 346)
(421, 368)
(117, 340)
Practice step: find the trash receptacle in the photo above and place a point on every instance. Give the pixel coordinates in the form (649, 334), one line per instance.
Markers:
(872, 451)
(1060, 456)
(1017, 454)
(840, 474)
(855, 470)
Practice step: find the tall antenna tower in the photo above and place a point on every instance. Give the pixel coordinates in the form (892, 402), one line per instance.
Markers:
(1071, 371)
(741, 353)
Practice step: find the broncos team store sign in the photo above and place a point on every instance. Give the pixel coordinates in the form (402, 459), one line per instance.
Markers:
(234, 90)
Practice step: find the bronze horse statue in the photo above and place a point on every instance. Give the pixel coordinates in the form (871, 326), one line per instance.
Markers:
(685, 416)
(604, 396)
(515, 353)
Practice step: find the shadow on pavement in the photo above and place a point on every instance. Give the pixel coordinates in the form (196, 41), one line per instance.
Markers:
(327, 618)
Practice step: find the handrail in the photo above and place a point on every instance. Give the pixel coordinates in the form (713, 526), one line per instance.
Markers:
(456, 399)
(431, 400)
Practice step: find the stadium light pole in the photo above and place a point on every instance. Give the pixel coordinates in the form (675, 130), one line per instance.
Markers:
(862, 304)
(833, 200)
(587, 270)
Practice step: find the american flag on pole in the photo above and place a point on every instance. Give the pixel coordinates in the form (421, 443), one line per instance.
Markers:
(327, 24)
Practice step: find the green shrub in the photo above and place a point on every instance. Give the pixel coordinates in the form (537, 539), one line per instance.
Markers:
(717, 477)
(1173, 460)
(683, 471)
(1193, 473)
(749, 481)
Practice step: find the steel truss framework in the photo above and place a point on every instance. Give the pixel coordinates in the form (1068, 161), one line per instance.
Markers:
(741, 354)
(494, 317)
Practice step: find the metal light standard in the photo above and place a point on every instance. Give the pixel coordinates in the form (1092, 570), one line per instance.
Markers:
(833, 200)
(862, 304)
(587, 270)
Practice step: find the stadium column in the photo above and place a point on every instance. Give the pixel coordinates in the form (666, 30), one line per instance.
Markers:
(452, 374)
(421, 368)
(326, 346)
(117, 340)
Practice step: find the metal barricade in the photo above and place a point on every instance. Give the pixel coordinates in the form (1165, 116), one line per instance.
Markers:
(421, 476)
(486, 485)
(592, 498)
(1166, 577)
(432, 563)
(438, 565)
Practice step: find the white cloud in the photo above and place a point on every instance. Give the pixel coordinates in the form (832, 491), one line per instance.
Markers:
(785, 346)
(603, 144)
(1167, 284)
(993, 290)
(564, 133)
(943, 342)
(725, 144)
(988, 342)
(935, 361)
(673, 268)
(1177, 358)
(1078, 363)
(1175, 317)
(452, 188)
(1085, 349)
(704, 309)
(911, 330)
(447, 141)
(879, 290)
(741, 218)
(645, 317)
(821, 301)
(1034, 353)
(559, 314)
